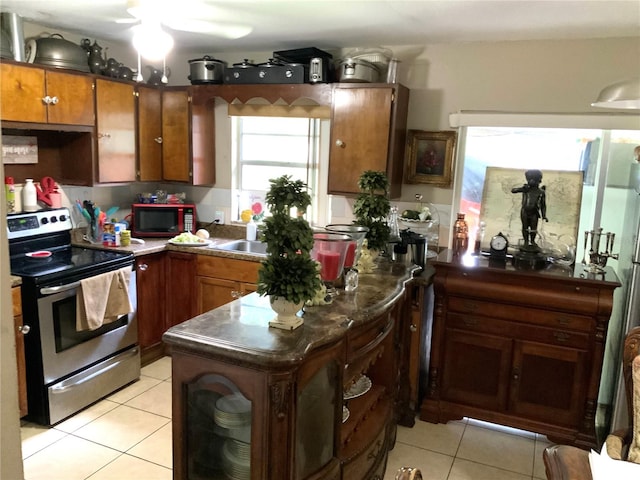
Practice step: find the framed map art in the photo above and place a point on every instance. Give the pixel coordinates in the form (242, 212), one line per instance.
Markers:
(500, 208)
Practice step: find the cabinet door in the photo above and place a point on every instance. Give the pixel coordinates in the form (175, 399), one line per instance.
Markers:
(360, 130)
(116, 131)
(149, 134)
(180, 287)
(476, 369)
(176, 155)
(215, 292)
(20, 355)
(548, 382)
(74, 94)
(22, 90)
(150, 282)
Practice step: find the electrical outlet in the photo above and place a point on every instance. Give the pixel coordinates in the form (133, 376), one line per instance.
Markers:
(218, 217)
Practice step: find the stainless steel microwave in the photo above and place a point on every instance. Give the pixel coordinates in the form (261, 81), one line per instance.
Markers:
(162, 219)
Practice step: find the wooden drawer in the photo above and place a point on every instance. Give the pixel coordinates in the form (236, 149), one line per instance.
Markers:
(517, 313)
(523, 291)
(16, 300)
(551, 336)
(368, 459)
(364, 339)
(228, 268)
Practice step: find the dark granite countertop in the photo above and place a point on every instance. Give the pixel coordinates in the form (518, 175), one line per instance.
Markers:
(239, 331)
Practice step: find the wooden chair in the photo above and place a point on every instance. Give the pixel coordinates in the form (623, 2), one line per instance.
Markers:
(564, 462)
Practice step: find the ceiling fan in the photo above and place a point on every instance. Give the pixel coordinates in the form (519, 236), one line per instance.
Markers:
(197, 16)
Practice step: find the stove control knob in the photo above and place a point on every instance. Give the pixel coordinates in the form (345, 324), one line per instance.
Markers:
(44, 220)
(54, 219)
(262, 74)
(63, 218)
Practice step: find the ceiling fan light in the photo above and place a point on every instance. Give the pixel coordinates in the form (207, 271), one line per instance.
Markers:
(151, 41)
(625, 94)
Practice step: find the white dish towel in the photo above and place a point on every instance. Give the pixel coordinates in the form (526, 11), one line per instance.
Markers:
(103, 299)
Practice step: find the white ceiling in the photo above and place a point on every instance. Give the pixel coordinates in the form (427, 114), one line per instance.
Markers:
(334, 24)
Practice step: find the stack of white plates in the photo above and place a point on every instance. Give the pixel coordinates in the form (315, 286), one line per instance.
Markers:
(236, 461)
(361, 386)
(233, 411)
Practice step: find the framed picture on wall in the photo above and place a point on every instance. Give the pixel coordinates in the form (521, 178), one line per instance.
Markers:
(429, 157)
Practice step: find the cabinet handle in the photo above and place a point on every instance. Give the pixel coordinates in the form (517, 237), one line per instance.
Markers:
(54, 100)
(158, 139)
(236, 294)
(516, 374)
(561, 336)
(46, 100)
(470, 322)
(562, 320)
(24, 329)
(413, 327)
(340, 143)
(469, 305)
(104, 135)
(143, 266)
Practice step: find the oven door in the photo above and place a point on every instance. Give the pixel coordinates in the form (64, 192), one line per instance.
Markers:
(65, 350)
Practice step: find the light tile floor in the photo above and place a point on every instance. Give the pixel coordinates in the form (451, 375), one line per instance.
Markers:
(128, 436)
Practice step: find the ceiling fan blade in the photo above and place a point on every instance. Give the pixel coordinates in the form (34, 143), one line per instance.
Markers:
(126, 21)
(226, 30)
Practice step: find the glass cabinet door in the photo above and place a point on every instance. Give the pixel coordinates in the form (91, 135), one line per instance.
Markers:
(315, 421)
(219, 430)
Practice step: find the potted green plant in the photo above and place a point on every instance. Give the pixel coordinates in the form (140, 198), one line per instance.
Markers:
(372, 207)
(289, 274)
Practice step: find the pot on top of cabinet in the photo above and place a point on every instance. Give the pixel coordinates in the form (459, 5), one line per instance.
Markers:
(54, 51)
(357, 70)
(206, 70)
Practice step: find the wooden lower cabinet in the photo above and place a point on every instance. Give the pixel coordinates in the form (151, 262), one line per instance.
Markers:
(150, 284)
(520, 348)
(180, 287)
(165, 284)
(220, 280)
(20, 331)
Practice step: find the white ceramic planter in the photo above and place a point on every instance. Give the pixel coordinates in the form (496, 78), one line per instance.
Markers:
(286, 318)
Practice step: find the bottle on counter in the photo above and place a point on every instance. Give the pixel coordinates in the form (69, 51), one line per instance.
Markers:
(252, 230)
(29, 196)
(10, 194)
(460, 235)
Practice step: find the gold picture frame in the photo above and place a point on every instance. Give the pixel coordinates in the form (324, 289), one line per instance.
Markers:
(429, 157)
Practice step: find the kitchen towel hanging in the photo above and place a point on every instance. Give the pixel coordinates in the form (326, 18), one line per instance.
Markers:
(103, 299)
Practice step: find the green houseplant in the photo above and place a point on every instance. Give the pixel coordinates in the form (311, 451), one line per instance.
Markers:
(289, 273)
(372, 206)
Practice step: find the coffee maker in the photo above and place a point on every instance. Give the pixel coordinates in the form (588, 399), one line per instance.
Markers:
(414, 243)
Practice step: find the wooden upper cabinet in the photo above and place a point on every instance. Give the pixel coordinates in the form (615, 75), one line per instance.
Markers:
(149, 134)
(176, 155)
(35, 95)
(115, 129)
(368, 132)
(188, 137)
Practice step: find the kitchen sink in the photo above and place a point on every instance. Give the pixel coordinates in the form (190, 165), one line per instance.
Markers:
(254, 247)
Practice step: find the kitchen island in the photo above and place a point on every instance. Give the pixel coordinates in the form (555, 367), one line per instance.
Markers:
(317, 402)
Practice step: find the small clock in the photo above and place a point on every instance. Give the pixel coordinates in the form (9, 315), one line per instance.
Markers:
(498, 246)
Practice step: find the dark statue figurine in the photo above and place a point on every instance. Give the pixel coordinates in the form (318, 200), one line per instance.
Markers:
(534, 206)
